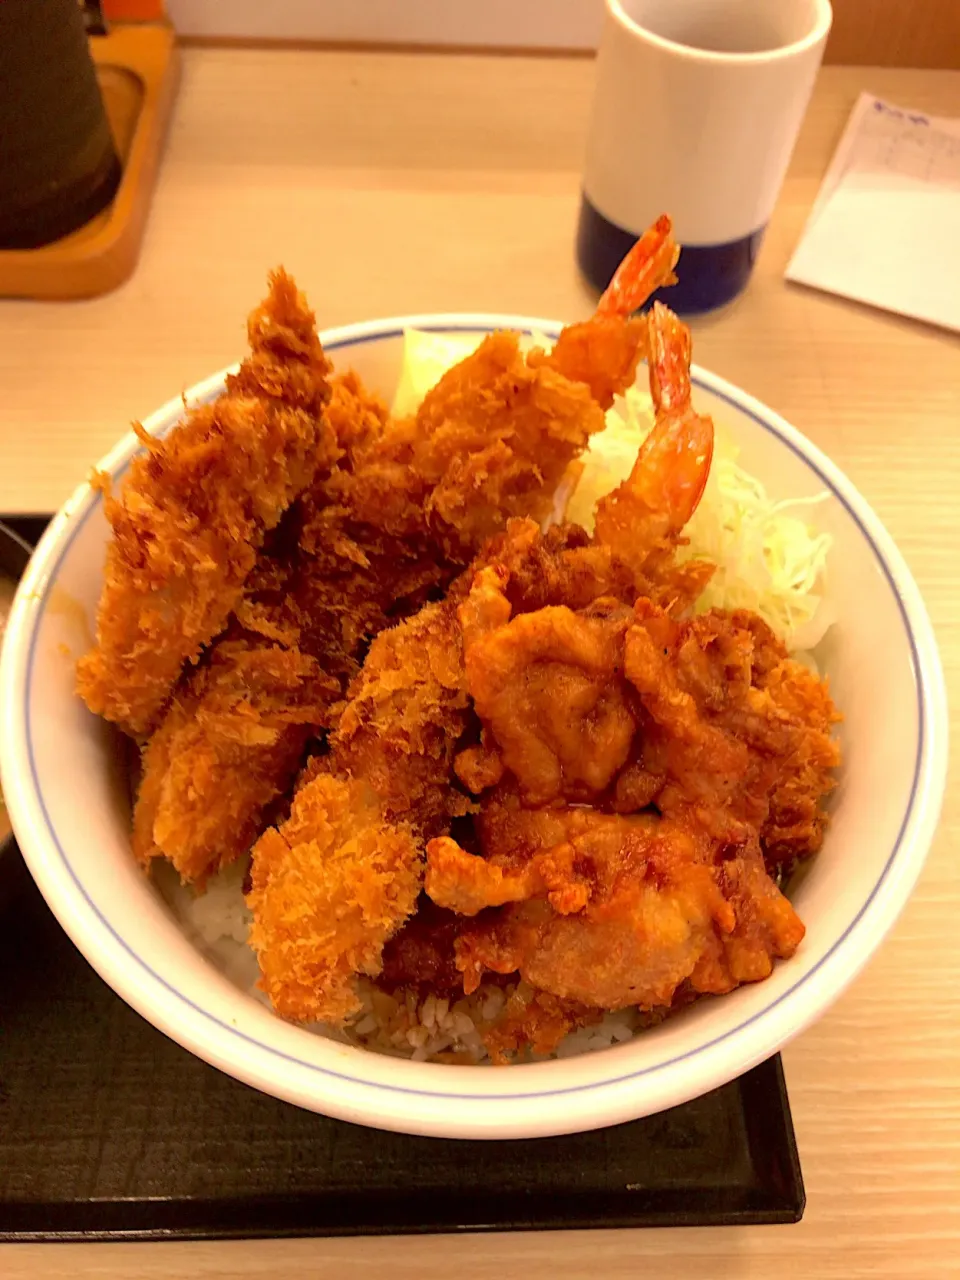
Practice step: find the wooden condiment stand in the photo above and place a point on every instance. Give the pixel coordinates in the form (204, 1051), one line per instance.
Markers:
(137, 66)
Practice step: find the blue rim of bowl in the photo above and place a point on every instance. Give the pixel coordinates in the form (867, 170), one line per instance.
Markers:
(548, 330)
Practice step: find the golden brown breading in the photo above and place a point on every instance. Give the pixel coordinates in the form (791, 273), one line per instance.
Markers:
(707, 717)
(651, 912)
(547, 682)
(609, 911)
(233, 737)
(566, 566)
(230, 742)
(491, 440)
(729, 727)
(735, 731)
(546, 686)
(387, 780)
(354, 574)
(602, 353)
(405, 714)
(328, 889)
(389, 522)
(559, 668)
(195, 507)
(766, 926)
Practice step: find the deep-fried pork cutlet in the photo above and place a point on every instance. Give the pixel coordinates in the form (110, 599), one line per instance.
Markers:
(194, 510)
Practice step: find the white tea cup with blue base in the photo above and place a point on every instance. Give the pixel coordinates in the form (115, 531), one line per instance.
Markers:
(696, 110)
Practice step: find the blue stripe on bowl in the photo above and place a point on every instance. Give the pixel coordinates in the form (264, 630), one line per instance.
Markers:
(499, 1099)
(709, 275)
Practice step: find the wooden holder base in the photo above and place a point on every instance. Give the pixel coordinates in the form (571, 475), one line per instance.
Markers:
(137, 66)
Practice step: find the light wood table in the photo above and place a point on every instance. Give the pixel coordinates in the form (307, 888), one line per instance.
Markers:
(393, 183)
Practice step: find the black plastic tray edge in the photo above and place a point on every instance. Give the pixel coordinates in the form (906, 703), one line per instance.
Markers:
(27, 528)
(16, 544)
(274, 1217)
(782, 1200)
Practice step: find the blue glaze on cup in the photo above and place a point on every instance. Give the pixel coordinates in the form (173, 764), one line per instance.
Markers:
(709, 275)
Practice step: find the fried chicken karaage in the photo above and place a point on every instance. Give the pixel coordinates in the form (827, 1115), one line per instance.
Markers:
(610, 910)
(623, 708)
(734, 730)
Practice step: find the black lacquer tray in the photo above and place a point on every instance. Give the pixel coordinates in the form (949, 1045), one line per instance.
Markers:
(110, 1130)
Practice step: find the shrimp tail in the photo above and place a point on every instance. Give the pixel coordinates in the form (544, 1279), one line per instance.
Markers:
(603, 352)
(647, 267)
(670, 473)
(669, 351)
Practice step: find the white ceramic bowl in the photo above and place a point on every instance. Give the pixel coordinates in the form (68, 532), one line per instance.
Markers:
(63, 776)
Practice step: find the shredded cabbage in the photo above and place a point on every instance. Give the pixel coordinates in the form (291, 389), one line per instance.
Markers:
(768, 558)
